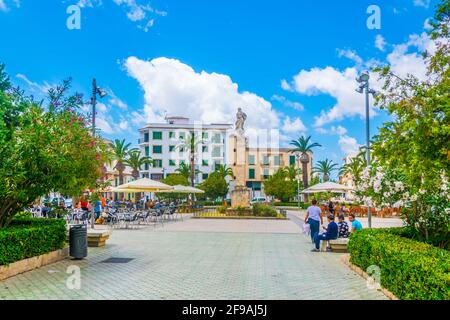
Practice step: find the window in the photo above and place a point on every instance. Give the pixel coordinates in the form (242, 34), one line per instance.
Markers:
(146, 137)
(157, 149)
(205, 163)
(157, 135)
(216, 138)
(292, 160)
(266, 174)
(216, 152)
(251, 160)
(205, 176)
(181, 149)
(276, 160)
(182, 135)
(265, 160)
(172, 163)
(146, 167)
(251, 173)
(171, 148)
(204, 149)
(147, 151)
(157, 163)
(205, 135)
(171, 135)
(217, 165)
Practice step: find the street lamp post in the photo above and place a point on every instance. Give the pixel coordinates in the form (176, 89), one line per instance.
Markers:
(95, 90)
(364, 87)
(298, 180)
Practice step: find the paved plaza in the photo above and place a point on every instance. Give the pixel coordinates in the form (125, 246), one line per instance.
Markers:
(200, 259)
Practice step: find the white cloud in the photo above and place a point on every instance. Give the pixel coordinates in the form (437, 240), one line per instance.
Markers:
(116, 101)
(422, 3)
(174, 87)
(288, 103)
(338, 84)
(350, 54)
(40, 90)
(380, 42)
(339, 130)
(348, 145)
(295, 126)
(4, 6)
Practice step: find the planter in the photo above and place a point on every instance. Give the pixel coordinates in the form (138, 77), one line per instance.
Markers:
(29, 264)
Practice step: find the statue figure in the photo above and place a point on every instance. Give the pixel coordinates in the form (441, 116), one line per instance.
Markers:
(241, 117)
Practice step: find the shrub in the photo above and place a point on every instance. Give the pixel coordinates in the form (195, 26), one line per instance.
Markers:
(26, 238)
(410, 269)
(222, 209)
(261, 210)
(291, 204)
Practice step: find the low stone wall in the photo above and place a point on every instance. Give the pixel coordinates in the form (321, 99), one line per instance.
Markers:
(346, 260)
(29, 264)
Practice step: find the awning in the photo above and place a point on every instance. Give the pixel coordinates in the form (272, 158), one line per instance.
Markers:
(327, 187)
(143, 185)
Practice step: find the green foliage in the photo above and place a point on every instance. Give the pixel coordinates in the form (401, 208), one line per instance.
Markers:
(224, 171)
(26, 238)
(191, 144)
(215, 186)
(261, 210)
(222, 209)
(176, 180)
(44, 149)
(410, 269)
(135, 161)
(280, 186)
(291, 204)
(325, 168)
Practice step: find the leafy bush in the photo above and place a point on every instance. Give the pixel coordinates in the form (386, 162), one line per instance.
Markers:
(261, 210)
(291, 204)
(222, 209)
(410, 269)
(26, 238)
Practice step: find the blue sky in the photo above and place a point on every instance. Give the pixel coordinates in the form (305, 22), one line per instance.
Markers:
(289, 64)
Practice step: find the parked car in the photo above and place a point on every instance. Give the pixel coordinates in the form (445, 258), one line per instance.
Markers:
(258, 200)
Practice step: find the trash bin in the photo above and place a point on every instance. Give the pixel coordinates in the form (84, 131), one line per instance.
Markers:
(78, 241)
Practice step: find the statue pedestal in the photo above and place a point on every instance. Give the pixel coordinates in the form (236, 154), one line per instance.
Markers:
(240, 197)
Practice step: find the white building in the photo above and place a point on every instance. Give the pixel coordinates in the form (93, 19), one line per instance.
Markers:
(161, 142)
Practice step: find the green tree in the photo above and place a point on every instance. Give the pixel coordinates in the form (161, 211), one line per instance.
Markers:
(414, 146)
(135, 161)
(185, 170)
(120, 154)
(175, 180)
(44, 148)
(280, 186)
(224, 171)
(303, 146)
(215, 186)
(325, 167)
(354, 168)
(191, 143)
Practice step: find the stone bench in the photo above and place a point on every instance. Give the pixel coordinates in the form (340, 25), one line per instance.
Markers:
(97, 238)
(339, 245)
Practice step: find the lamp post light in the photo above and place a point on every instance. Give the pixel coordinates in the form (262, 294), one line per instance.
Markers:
(297, 156)
(364, 88)
(102, 93)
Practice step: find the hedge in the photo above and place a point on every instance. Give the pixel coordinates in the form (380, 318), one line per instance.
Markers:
(26, 238)
(291, 204)
(410, 269)
(261, 210)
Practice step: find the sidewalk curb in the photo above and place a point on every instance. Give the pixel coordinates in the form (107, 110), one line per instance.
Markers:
(345, 259)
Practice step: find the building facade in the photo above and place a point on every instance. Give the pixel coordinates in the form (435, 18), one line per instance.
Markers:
(162, 142)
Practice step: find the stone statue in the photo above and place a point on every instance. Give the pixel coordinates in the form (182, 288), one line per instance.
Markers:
(241, 117)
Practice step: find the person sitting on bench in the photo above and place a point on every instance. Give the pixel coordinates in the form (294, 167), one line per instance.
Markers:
(343, 227)
(330, 234)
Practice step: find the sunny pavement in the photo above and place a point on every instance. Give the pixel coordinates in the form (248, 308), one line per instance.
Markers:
(200, 259)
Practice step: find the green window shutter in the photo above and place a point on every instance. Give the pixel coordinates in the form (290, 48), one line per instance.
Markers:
(147, 151)
(204, 149)
(146, 137)
(171, 148)
(172, 163)
(157, 135)
(205, 176)
(204, 135)
(205, 163)
(157, 149)
(251, 160)
(292, 160)
(251, 173)
(171, 135)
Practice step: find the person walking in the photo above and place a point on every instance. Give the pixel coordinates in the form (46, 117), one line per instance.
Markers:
(314, 218)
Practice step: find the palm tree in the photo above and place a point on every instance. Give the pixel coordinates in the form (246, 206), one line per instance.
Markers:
(325, 167)
(303, 146)
(354, 168)
(120, 151)
(292, 172)
(191, 143)
(184, 170)
(225, 171)
(135, 162)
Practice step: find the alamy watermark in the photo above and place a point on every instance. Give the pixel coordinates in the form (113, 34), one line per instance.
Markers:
(73, 282)
(374, 280)
(374, 20)
(73, 22)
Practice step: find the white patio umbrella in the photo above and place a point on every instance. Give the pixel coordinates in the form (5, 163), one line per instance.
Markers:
(143, 185)
(185, 189)
(327, 187)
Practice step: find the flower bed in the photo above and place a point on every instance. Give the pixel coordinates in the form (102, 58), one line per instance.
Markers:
(26, 238)
(409, 269)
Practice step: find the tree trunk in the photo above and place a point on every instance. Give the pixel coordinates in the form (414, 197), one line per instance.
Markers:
(192, 168)
(305, 178)
(326, 178)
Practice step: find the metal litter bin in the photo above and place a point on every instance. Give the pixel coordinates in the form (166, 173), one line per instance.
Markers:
(78, 241)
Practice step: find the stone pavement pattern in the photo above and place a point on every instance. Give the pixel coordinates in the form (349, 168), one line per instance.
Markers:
(184, 260)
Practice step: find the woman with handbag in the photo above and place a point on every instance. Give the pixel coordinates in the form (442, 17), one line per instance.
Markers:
(314, 218)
